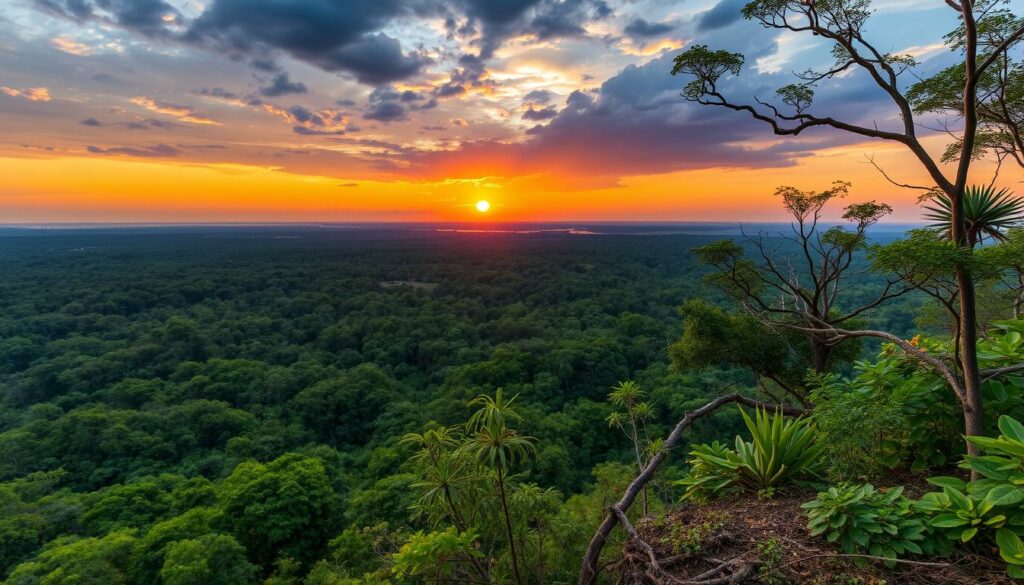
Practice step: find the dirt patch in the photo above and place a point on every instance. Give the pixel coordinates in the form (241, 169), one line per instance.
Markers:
(766, 542)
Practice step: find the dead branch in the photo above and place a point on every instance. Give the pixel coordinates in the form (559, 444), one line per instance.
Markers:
(616, 512)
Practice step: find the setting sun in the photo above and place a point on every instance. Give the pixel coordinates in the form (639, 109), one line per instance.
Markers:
(483, 206)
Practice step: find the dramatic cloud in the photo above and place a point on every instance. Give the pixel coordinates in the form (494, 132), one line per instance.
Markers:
(148, 17)
(541, 19)
(385, 104)
(183, 113)
(334, 36)
(32, 94)
(722, 15)
(282, 85)
(635, 124)
(538, 96)
(642, 29)
(312, 123)
(537, 115)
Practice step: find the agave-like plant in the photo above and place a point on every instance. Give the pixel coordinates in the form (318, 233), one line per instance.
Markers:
(781, 452)
(988, 213)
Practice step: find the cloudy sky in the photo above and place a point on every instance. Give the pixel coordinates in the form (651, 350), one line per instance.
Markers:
(394, 110)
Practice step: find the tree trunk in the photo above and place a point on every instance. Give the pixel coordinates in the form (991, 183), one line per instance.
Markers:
(820, 352)
(972, 407)
(508, 527)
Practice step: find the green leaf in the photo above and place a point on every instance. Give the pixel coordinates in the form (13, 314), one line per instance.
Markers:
(1009, 427)
(948, 481)
(948, 521)
(968, 534)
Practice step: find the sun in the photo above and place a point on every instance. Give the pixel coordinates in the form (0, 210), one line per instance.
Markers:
(483, 206)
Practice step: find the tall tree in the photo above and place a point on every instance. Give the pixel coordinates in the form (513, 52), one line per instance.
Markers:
(843, 23)
(812, 289)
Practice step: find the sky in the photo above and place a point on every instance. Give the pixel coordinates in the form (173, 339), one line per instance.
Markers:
(415, 110)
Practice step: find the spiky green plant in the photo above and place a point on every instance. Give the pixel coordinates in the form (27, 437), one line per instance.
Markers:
(781, 452)
(497, 446)
(988, 213)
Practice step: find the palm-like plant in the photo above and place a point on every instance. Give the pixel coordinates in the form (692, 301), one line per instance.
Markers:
(781, 451)
(631, 419)
(443, 474)
(988, 213)
(498, 447)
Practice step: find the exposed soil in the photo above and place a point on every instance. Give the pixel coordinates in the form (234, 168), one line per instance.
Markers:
(695, 539)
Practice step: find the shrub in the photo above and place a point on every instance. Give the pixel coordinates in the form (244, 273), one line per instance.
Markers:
(862, 519)
(782, 451)
(862, 424)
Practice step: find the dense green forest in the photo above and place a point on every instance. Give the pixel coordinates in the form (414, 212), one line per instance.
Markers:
(225, 405)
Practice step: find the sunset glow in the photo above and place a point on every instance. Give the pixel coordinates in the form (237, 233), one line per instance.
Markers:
(400, 117)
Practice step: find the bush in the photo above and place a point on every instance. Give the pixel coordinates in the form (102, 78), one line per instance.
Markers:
(865, 520)
(991, 507)
(782, 451)
(862, 424)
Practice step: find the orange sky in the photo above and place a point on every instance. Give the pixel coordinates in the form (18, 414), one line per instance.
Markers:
(83, 189)
(157, 111)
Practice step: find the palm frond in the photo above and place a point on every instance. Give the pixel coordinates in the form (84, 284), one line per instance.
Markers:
(988, 213)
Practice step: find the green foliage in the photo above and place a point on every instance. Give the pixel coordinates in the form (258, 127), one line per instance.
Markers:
(708, 66)
(491, 440)
(212, 559)
(862, 519)
(894, 411)
(713, 337)
(434, 555)
(991, 508)
(863, 427)
(286, 507)
(988, 213)
(770, 555)
(782, 451)
(691, 539)
(167, 393)
(74, 560)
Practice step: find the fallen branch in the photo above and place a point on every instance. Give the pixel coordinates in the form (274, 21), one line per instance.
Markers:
(617, 511)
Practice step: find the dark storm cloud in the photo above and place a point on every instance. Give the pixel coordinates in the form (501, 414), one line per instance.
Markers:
(156, 151)
(388, 111)
(722, 15)
(542, 19)
(566, 18)
(334, 36)
(91, 122)
(643, 29)
(281, 85)
(143, 16)
(385, 104)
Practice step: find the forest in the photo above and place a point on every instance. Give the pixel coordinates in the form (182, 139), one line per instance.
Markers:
(823, 402)
(248, 397)
(310, 405)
